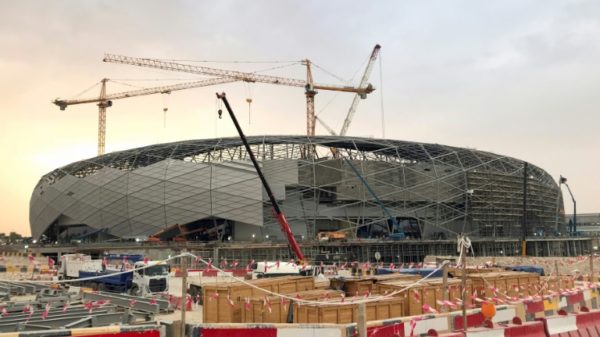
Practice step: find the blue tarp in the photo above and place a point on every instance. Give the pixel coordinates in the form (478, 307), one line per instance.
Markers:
(413, 271)
(529, 269)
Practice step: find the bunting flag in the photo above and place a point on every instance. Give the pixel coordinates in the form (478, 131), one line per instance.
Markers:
(416, 295)
(132, 302)
(247, 304)
(153, 300)
(50, 263)
(209, 265)
(223, 264)
(235, 263)
(31, 258)
(65, 307)
(214, 296)
(277, 264)
(413, 325)
(46, 311)
(427, 308)
(266, 267)
(4, 312)
(146, 260)
(230, 301)
(267, 304)
(343, 297)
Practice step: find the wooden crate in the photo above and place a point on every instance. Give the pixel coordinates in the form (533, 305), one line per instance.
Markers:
(553, 283)
(360, 286)
(218, 299)
(505, 283)
(428, 292)
(348, 313)
(257, 312)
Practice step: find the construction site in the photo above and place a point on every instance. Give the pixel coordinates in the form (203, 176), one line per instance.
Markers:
(296, 235)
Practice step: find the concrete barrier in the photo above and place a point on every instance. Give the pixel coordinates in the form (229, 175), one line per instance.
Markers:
(106, 331)
(270, 330)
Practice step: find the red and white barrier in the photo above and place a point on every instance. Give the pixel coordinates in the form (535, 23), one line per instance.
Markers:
(270, 330)
(560, 326)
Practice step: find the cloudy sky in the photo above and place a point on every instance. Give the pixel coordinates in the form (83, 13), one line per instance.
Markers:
(520, 78)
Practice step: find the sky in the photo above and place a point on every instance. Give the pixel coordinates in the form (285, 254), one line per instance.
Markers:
(514, 77)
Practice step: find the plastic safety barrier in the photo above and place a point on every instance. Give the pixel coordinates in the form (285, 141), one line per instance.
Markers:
(504, 314)
(528, 329)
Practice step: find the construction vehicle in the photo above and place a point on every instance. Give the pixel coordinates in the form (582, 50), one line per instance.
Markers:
(152, 279)
(331, 236)
(71, 264)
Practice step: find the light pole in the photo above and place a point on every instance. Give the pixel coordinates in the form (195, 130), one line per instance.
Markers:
(562, 181)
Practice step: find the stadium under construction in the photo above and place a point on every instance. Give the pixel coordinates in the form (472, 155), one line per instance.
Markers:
(402, 199)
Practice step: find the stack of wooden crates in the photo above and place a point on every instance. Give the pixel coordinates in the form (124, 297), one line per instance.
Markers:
(224, 303)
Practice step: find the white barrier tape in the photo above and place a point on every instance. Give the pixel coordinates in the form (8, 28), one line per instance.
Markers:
(561, 324)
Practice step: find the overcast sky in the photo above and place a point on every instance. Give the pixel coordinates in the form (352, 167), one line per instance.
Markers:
(519, 78)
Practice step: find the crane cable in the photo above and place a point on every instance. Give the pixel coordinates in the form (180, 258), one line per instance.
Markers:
(381, 96)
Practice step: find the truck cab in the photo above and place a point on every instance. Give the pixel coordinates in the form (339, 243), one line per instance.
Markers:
(153, 279)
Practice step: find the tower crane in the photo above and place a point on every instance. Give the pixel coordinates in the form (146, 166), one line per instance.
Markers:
(105, 100)
(308, 84)
(354, 105)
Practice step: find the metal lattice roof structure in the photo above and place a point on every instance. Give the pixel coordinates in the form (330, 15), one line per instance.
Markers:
(442, 189)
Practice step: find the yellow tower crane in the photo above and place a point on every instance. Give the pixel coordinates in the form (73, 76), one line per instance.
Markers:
(308, 84)
(105, 100)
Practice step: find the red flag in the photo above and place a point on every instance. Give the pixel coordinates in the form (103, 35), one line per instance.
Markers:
(50, 262)
(146, 260)
(46, 311)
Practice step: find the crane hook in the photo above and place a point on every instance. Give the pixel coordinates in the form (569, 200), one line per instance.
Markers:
(220, 112)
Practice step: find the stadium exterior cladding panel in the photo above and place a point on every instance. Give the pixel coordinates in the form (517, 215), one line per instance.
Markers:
(432, 190)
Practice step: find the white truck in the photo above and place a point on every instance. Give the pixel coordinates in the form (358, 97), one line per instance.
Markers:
(152, 279)
(71, 264)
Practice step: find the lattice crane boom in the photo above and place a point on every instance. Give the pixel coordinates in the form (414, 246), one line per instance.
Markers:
(363, 83)
(310, 87)
(167, 89)
(104, 100)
